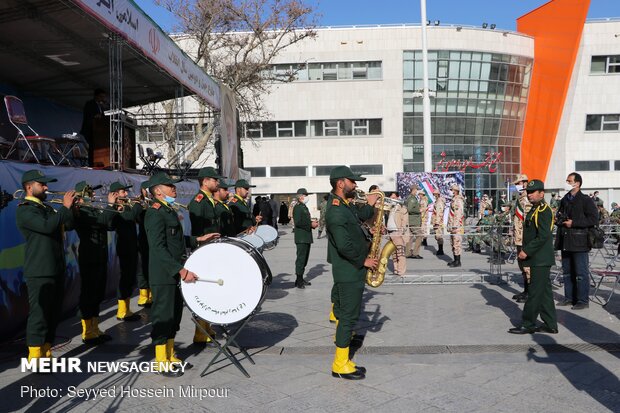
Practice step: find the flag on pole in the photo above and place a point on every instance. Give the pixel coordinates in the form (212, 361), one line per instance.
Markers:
(519, 211)
(428, 188)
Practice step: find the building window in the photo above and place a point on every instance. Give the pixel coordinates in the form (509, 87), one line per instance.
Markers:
(288, 171)
(617, 165)
(605, 64)
(281, 129)
(155, 133)
(323, 170)
(609, 122)
(591, 166)
(367, 169)
(371, 70)
(299, 128)
(257, 171)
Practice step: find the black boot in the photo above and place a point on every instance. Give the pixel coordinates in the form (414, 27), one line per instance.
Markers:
(424, 243)
(521, 298)
(456, 262)
(440, 250)
(319, 234)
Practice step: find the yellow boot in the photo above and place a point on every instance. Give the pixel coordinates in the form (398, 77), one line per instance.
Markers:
(163, 363)
(200, 338)
(172, 357)
(35, 352)
(332, 316)
(102, 336)
(150, 301)
(145, 300)
(342, 368)
(46, 350)
(89, 334)
(124, 313)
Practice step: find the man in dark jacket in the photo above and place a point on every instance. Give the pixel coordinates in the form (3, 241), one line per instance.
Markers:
(303, 236)
(536, 254)
(577, 213)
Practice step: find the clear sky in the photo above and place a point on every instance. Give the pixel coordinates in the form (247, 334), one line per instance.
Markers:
(466, 12)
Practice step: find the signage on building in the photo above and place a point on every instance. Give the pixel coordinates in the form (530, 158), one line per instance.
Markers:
(490, 161)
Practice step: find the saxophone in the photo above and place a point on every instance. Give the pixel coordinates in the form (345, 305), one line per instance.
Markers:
(375, 278)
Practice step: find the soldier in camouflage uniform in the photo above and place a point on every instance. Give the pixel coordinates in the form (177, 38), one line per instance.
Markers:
(603, 214)
(456, 223)
(614, 220)
(483, 231)
(522, 207)
(437, 220)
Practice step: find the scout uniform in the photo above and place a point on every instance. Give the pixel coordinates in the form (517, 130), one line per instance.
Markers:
(44, 265)
(437, 221)
(167, 246)
(455, 226)
(522, 208)
(415, 224)
(538, 245)
(303, 238)
(127, 251)
(145, 299)
(92, 225)
(347, 251)
(241, 211)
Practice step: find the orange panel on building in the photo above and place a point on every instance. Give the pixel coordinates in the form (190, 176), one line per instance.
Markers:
(556, 27)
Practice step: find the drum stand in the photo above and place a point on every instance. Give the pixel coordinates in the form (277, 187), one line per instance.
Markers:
(229, 335)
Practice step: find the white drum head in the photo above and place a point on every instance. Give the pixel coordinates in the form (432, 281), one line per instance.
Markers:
(242, 283)
(267, 233)
(256, 241)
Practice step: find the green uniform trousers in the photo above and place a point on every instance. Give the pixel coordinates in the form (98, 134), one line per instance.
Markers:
(539, 299)
(93, 278)
(166, 312)
(128, 263)
(45, 296)
(303, 252)
(143, 276)
(347, 298)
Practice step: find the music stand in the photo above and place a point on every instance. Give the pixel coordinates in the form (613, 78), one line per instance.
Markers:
(229, 335)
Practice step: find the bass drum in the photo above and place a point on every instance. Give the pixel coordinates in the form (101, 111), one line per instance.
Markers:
(232, 281)
(269, 235)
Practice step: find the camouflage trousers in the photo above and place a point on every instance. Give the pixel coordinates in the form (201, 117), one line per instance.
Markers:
(456, 240)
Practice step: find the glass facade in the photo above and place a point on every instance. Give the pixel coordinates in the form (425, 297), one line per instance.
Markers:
(477, 114)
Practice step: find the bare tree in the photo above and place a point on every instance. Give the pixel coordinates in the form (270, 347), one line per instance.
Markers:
(236, 42)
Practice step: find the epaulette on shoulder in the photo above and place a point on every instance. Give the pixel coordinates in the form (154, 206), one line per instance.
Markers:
(336, 202)
(234, 200)
(199, 197)
(156, 205)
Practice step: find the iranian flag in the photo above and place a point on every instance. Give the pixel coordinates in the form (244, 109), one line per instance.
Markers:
(429, 188)
(519, 211)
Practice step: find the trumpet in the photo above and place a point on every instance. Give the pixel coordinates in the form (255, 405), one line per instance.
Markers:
(362, 198)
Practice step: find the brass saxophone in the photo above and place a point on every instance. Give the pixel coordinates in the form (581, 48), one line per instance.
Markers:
(375, 278)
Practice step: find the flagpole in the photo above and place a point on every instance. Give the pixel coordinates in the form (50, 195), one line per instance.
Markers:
(426, 100)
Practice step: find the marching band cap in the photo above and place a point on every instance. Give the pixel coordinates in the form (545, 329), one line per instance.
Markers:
(145, 184)
(36, 176)
(302, 191)
(340, 172)
(209, 172)
(223, 183)
(242, 183)
(117, 186)
(520, 178)
(535, 185)
(82, 185)
(162, 179)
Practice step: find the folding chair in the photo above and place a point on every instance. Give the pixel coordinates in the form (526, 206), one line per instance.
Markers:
(150, 160)
(28, 136)
(603, 274)
(72, 150)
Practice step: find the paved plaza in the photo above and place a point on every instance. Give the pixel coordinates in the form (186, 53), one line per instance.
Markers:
(435, 341)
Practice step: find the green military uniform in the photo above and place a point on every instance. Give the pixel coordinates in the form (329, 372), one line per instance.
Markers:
(538, 245)
(241, 210)
(92, 225)
(127, 251)
(167, 246)
(145, 299)
(44, 265)
(483, 233)
(226, 219)
(303, 238)
(202, 214)
(415, 226)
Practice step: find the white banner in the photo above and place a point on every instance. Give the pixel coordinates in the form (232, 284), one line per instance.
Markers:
(128, 20)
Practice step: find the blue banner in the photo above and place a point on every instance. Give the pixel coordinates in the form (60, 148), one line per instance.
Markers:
(13, 294)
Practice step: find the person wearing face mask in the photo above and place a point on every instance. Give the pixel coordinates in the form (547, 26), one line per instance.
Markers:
(522, 207)
(577, 213)
(303, 236)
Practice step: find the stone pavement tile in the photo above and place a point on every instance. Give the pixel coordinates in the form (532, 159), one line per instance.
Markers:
(516, 381)
(289, 404)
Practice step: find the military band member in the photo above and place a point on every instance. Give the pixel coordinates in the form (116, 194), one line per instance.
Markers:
(167, 246)
(348, 253)
(126, 248)
(522, 207)
(92, 224)
(437, 220)
(244, 220)
(223, 211)
(145, 298)
(456, 224)
(205, 220)
(537, 254)
(44, 260)
(303, 236)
